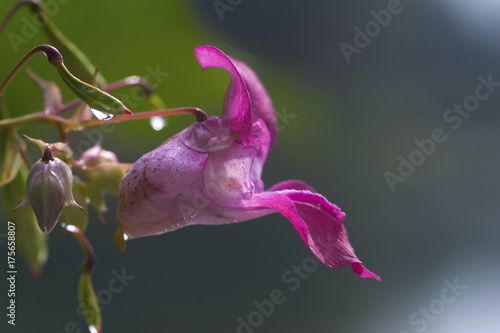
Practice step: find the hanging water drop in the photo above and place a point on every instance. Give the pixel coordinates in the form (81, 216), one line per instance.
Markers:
(102, 115)
(93, 329)
(158, 123)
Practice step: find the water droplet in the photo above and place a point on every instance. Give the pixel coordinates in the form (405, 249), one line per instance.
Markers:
(102, 115)
(158, 123)
(93, 329)
(125, 236)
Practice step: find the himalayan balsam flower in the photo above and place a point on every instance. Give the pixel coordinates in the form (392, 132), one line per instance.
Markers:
(210, 173)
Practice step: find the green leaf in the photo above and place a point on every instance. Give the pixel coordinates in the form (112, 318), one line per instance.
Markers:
(72, 215)
(88, 302)
(119, 236)
(11, 156)
(31, 242)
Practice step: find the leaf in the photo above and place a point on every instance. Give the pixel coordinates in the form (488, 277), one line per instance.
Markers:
(119, 236)
(74, 57)
(31, 242)
(11, 156)
(52, 99)
(89, 303)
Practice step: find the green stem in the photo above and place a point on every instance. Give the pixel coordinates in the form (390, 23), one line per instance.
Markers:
(89, 260)
(33, 118)
(52, 54)
(36, 118)
(36, 5)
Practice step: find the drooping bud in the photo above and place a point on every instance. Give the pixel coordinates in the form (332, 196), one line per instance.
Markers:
(48, 190)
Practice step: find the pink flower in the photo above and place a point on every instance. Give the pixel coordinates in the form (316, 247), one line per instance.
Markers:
(210, 173)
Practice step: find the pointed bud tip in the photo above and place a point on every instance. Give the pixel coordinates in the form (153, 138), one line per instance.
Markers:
(47, 154)
(127, 111)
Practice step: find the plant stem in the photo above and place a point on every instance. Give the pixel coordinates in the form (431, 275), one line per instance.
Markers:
(198, 113)
(33, 118)
(52, 54)
(14, 8)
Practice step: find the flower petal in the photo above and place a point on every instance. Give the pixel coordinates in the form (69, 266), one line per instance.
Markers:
(292, 185)
(228, 172)
(261, 104)
(319, 224)
(237, 100)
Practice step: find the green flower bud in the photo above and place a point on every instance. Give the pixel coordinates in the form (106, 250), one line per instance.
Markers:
(104, 174)
(48, 190)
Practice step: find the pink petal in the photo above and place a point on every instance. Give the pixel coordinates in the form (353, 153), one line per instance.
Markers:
(319, 224)
(228, 171)
(261, 104)
(237, 100)
(292, 185)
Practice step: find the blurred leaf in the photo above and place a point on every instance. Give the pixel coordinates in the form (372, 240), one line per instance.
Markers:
(31, 242)
(73, 215)
(52, 99)
(88, 302)
(11, 156)
(73, 56)
(119, 236)
(155, 102)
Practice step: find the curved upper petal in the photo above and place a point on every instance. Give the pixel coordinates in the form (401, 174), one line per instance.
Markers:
(260, 102)
(319, 224)
(237, 99)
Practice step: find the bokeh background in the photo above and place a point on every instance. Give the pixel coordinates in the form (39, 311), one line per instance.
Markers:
(348, 123)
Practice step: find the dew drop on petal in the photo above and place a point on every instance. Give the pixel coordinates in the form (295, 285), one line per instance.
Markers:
(102, 115)
(158, 123)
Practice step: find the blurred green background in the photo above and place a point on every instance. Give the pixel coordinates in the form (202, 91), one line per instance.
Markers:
(348, 124)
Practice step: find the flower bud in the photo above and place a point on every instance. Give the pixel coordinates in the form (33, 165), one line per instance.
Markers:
(96, 155)
(104, 174)
(48, 190)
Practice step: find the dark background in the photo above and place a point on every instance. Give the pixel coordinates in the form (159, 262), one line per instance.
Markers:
(352, 121)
